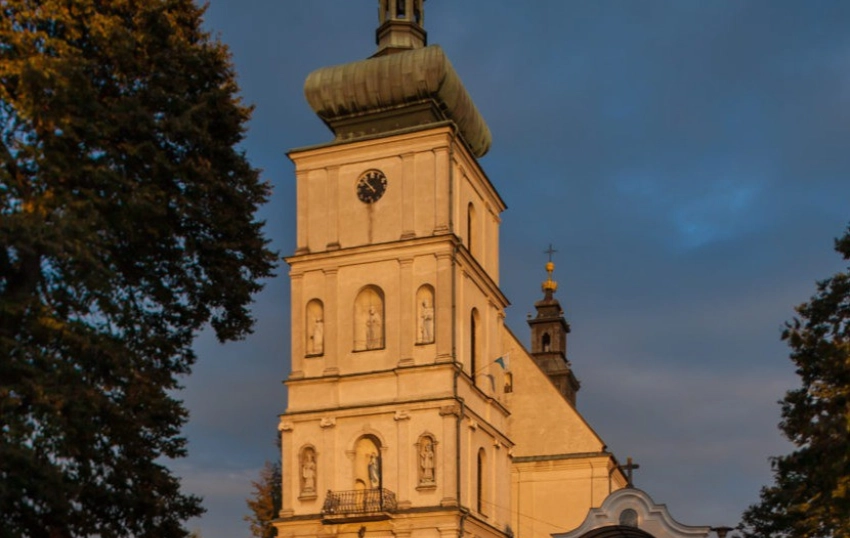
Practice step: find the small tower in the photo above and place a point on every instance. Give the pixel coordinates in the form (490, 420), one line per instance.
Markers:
(549, 332)
(401, 26)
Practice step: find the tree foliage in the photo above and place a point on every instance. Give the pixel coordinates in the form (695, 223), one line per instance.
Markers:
(265, 502)
(127, 225)
(811, 494)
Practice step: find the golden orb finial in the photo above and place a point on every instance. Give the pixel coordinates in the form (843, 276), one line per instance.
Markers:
(550, 286)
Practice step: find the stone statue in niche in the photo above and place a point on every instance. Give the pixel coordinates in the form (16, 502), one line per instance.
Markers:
(308, 473)
(374, 471)
(374, 332)
(426, 461)
(426, 323)
(317, 337)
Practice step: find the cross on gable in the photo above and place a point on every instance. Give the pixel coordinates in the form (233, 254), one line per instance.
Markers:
(628, 468)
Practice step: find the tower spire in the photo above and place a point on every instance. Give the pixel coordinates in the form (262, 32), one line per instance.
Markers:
(401, 26)
(549, 332)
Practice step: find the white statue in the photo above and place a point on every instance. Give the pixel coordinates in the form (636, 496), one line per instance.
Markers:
(308, 473)
(426, 323)
(426, 461)
(317, 339)
(374, 335)
(374, 470)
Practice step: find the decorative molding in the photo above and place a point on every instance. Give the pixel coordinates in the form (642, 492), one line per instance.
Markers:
(285, 426)
(447, 410)
(444, 358)
(401, 414)
(327, 422)
(652, 518)
(473, 425)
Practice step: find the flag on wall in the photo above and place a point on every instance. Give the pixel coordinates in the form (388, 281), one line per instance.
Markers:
(504, 361)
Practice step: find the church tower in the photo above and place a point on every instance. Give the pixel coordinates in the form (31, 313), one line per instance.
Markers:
(397, 418)
(549, 332)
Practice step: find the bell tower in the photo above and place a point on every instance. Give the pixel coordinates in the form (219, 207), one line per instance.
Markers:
(401, 26)
(396, 423)
(549, 332)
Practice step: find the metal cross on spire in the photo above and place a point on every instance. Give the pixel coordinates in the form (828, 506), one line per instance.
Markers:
(550, 251)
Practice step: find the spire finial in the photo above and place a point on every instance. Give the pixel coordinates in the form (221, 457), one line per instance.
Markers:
(550, 286)
(401, 26)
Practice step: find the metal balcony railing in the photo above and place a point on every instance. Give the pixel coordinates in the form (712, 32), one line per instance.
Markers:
(356, 503)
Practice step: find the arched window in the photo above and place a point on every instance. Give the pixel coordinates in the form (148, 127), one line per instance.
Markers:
(473, 345)
(401, 9)
(425, 315)
(314, 328)
(369, 319)
(470, 226)
(417, 12)
(481, 487)
(546, 343)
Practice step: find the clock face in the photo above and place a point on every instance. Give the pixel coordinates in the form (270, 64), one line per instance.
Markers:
(371, 186)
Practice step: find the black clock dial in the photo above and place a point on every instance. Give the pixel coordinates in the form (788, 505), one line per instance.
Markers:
(371, 186)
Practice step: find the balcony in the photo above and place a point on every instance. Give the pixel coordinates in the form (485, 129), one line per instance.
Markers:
(358, 505)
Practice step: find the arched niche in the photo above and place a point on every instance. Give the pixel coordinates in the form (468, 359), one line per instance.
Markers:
(546, 343)
(368, 464)
(425, 321)
(314, 328)
(426, 450)
(369, 319)
(308, 474)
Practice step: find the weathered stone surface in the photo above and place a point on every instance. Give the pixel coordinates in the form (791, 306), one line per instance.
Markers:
(396, 91)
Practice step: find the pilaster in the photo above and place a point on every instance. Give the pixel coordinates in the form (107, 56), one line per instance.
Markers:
(333, 346)
(407, 323)
(333, 208)
(444, 311)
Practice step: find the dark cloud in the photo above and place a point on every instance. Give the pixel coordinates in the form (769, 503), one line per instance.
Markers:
(687, 159)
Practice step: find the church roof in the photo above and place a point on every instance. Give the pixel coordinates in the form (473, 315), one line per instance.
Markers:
(396, 91)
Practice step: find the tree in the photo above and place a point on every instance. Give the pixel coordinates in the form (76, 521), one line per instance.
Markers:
(128, 225)
(266, 501)
(811, 494)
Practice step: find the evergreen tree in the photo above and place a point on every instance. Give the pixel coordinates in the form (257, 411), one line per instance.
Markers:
(266, 501)
(127, 220)
(811, 494)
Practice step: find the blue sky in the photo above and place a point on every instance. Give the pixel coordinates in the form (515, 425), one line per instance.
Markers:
(689, 162)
